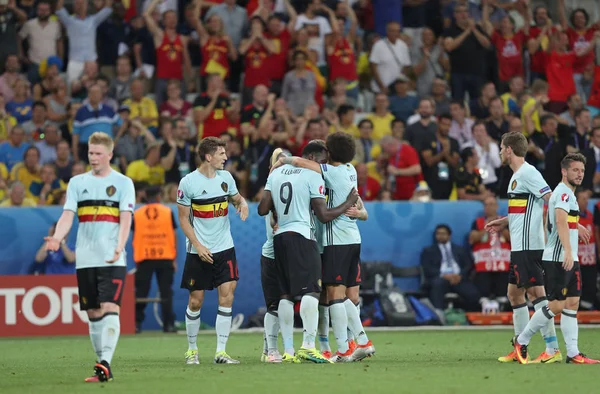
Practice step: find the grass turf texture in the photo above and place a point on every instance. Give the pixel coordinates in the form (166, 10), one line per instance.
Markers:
(406, 362)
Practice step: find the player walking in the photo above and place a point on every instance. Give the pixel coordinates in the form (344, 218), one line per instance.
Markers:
(104, 201)
(296, 191)
(527, 192)
(341, 252)
(203, 203)
(561, 266)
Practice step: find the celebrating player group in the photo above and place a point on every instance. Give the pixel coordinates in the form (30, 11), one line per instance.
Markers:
(547, 271)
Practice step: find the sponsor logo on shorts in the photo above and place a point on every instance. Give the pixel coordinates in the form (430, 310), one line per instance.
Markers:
(564, 291)
(192, 281)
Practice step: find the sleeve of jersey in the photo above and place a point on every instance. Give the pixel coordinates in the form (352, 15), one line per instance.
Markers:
(316, 186)
(71, 201)
(268, 185)
(127, 202)
(233, 190)
(326, 172)
(562, 202)
(537, 185)
(183, 196)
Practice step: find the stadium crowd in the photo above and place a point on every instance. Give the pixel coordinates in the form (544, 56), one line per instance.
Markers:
(426, 87)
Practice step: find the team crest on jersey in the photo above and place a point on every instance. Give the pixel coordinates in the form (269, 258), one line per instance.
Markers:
(564, 197)
(224, 186)
(513, 185)
(111, 190)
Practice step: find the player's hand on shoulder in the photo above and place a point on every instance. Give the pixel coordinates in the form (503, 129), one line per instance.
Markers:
(277, 164)
(204, 253)
(568, 261)
(52, 244)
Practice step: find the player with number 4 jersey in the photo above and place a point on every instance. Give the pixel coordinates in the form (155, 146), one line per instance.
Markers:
(203, 204)
(103, 201)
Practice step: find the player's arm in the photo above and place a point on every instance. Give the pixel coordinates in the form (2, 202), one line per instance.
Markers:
(358, 211)
(266, 203)
(325, 214)
(299, 162)
(241, 205)
(63, 226)
(562, 227)
(183, 212)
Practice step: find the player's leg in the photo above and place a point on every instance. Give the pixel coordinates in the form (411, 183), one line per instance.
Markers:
(143, 280)
(516, 298)
(568, 320)
(352, 293)
(225, 280)
(270, 288)
(111, 281)
(88, 302)
(335, 274)
(196, 278)
(324, 324)
(285, 308)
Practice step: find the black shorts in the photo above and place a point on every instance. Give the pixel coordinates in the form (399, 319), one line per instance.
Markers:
(270, 283)
(526, 268)
(561, 284)
(298, 264)
(100, 284)
(341, 265)
(200, 275)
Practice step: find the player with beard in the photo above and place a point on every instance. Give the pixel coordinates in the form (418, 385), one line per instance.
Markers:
(560, 263)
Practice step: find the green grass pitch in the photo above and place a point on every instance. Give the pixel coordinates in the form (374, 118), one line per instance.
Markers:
(418, 362)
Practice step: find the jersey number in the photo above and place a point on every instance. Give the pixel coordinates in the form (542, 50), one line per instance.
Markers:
(218, 211)
(287, 198)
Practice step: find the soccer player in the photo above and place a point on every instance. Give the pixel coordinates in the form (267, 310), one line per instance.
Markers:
(341, 252)
(270, 286)
(527, 191)
(295, 192)
(561, 266)
(203, 204)
(103, 200)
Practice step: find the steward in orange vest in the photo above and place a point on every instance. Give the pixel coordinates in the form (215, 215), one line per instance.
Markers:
(154, 251)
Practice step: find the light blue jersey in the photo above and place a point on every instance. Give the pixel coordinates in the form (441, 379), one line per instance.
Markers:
(267, 249)
(98, 203)
(339, 182)
(526, 209)
(562, 198)
(318, 231)
(292, 189)
(209, 202)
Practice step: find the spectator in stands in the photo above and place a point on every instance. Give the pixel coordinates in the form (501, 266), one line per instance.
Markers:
(381, 117)
(368, 187)
(551, 148)
(489, 156)
(13, 150)
(175, 106)
(344, 121)
(81, 31)
(338, 95)
(119, 87)
(148, 169)
(424, 128)
(574, 104)
(42, 190)
(299, 85)
(341, 56)
(256, 49)
(439, 95)
(63, 162)
(78, 168)
(90, 118)
(57, 103)
(388, 59)
(497, 125)
(533, 107)
(7, 121)
(537, 43)
(9, 77)
(508, 43)
(587, 251)
(510, 99)
(47, 145)
(461, 128)
(584, 84)
(491, 252)
(579, 136)
(254, 112)
(131, 142)
(280, 35)
(449, 11)
(479, 107)
(469, 184)
(172, 56)
(446, 268)
(16, 197)
(108, 101)
(440, 158)
(61, 262)
(80, 86)
(429, 60)
(318, 27)
(404, 168)
(591, 180)
(212, 109)
(178, 157)
(111, 36)
(581, 37)
(12, 17)
(465, 41)
(402, 105)
(4, 175)
(21, 105)
(422, 193)
(28, 170)
(364, 143)
(48, 71)
(141, 107)
(236, 17)
(34, 128)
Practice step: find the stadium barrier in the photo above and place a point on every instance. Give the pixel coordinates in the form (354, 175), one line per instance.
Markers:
(395, 231)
